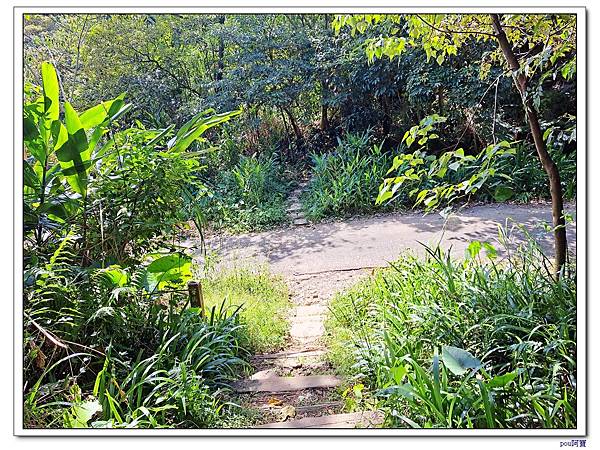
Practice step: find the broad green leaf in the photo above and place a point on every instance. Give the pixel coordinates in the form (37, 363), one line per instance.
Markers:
(473, 249)
(459, 361)
(72, 121)
(30, 129)
(30, 178)
(503, 193)
(56, 211)
(115, 275)
(74, 162)
(455, 165)
(94, 116)
(193, 129)
(406, 390)
(501, 380)
(159, 136)
(168, 269)
(59, 134)
(51, 92)
(83, 412)
(383, 196)
(398, 373)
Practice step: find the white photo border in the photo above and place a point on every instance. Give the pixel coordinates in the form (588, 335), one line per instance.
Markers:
(581, 217)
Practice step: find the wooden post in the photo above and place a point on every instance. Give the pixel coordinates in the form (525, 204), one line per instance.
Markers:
(195, 293)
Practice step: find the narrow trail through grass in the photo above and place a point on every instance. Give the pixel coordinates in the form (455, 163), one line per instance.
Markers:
(297, 387)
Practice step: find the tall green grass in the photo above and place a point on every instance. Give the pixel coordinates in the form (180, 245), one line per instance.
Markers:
(263, 300)
(249, 196)
(451, 344)
(347, 180)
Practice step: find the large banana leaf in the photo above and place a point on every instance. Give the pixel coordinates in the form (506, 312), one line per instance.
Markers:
(74, 146)
(51, 93)
(194, 128)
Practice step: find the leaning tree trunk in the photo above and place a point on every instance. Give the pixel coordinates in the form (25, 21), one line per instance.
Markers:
(558, 219)
(295, 127)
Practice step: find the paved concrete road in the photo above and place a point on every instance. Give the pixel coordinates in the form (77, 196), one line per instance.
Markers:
(373, 241)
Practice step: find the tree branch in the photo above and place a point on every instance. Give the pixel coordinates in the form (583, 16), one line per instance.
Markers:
(441, 30)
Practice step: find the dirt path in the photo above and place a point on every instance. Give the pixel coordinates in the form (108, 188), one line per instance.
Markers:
(374, 241)
(296, 388)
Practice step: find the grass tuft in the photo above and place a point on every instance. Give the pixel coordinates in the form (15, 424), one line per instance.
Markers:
(264, 299)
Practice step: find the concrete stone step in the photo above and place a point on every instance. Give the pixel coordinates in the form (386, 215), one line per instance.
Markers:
(319, 407)
(307, 352)
(368, 419)
(316, 309)
(287, 384)
(301, 221)
(307, 327)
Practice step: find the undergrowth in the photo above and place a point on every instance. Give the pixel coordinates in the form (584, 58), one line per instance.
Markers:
(249, 196)
(473, 343)
(359, 177)
(346, 181)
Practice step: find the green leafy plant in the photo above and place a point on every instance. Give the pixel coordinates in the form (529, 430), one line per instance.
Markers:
(506, 332)
(346, 181)
(249, 196)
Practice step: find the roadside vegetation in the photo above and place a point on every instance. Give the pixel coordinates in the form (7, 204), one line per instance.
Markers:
(110, 339)
(445, 343)
(265, 301)
(345, 181)
(250, 196)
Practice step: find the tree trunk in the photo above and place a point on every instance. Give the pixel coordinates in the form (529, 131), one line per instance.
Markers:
(324, 115)
(294, 124)
(386, 123)
(324, 125)
(558, 219)
(220, 51)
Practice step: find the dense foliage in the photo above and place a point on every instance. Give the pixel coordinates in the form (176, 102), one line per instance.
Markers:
(108, 339)
(473, 344)
(346, 180)
(306, 81)
(248, 196)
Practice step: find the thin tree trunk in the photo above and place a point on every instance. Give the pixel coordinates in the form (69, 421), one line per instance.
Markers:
(324, 125)
(294, 124)
(324, 118)
(220, 51)
(386, 122)
(558, 219)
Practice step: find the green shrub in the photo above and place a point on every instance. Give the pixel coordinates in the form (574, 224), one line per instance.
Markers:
(347, 180)
(510, 327)
(500, 172)
(133, 353)
(249, 196)
(526, 178)
(139, 182)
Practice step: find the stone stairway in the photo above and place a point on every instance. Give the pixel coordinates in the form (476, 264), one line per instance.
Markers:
(294, 209)
(297, 387)
(288, 399)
